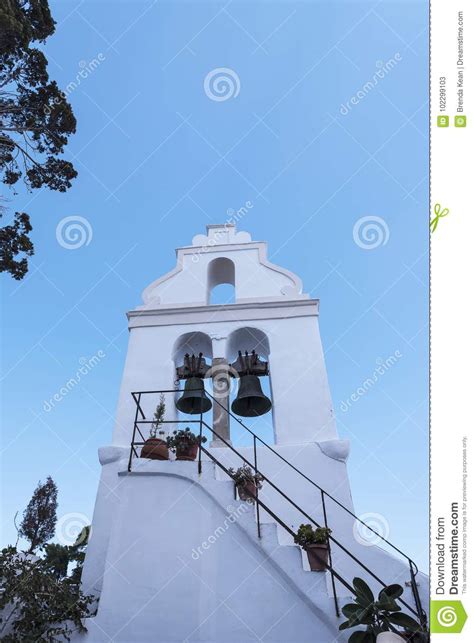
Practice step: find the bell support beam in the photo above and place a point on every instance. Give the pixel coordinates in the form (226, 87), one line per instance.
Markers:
(220, 390)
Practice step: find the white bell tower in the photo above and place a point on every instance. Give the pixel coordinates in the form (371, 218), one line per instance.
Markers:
(174, 555)
(271, 314)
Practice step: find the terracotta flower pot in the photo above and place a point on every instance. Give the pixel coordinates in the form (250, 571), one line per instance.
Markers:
(187, 452)
(246, 490)
(316, 554)
(155, 449)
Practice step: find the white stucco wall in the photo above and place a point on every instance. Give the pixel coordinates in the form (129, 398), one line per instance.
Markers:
(269, 301)
(255, 278)
(146, 525)
(179, 568)
(115, 510)
(302, 406)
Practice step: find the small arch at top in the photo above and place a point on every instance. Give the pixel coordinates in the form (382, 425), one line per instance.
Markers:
(221, 281)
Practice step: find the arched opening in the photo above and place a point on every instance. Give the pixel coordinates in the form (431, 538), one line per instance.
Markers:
(249, 339)
(192, 343)
(221, 281)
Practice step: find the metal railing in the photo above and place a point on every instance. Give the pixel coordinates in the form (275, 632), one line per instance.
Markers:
(418, 611)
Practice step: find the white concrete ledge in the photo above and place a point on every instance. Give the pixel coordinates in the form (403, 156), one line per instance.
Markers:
(335, 449)
(110, 454)
(199, 314)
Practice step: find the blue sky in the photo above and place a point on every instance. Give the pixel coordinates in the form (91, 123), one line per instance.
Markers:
(158, 159)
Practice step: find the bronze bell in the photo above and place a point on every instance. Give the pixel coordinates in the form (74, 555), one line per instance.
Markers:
(251, 400)
(194, 400)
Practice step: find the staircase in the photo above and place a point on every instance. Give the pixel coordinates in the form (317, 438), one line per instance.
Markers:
(186, 560)
(339, 584)
(192, 568)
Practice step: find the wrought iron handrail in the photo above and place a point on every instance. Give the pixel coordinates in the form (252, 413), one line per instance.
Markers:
(277, 519)
(418, 611)
(308, 479)
(304, 513)
(303, 475)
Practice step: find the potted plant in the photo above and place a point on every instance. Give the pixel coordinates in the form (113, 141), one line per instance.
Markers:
(247, 482)
(185, 444)
(381, 617)
(315, 543)
(155, 448)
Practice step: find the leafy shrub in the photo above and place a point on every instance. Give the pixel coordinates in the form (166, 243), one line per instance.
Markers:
(306, 535)
(38, 602)
(381, 615)
(245, 475)
(183, 439)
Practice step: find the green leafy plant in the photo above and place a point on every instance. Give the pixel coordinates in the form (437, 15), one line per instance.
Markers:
(245, 475)
(306, 535)
(40, 596)
(377, 615)
(158, 418)
(58, 557)
(183, 439)
(38, 602)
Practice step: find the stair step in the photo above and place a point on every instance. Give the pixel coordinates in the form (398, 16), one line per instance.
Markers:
(311, 586)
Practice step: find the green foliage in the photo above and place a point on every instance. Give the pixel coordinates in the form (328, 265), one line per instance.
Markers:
(243, 475)
(37, 603)
(14, 241)
(36, 120)
(39, 599)
(381, 615)
(183, 439)
(77, 552)
(306, 535)
(158, 417)
(58, 558)
(39, 517)
(83, 537)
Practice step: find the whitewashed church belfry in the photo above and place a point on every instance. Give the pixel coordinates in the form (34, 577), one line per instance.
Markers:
(174, 555)
(270, 314)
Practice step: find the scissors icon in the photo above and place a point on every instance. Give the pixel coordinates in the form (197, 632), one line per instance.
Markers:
(438, 215)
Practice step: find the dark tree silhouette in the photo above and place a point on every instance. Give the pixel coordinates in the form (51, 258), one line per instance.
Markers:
(35, 119)
(39, 517)
(14, 241)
